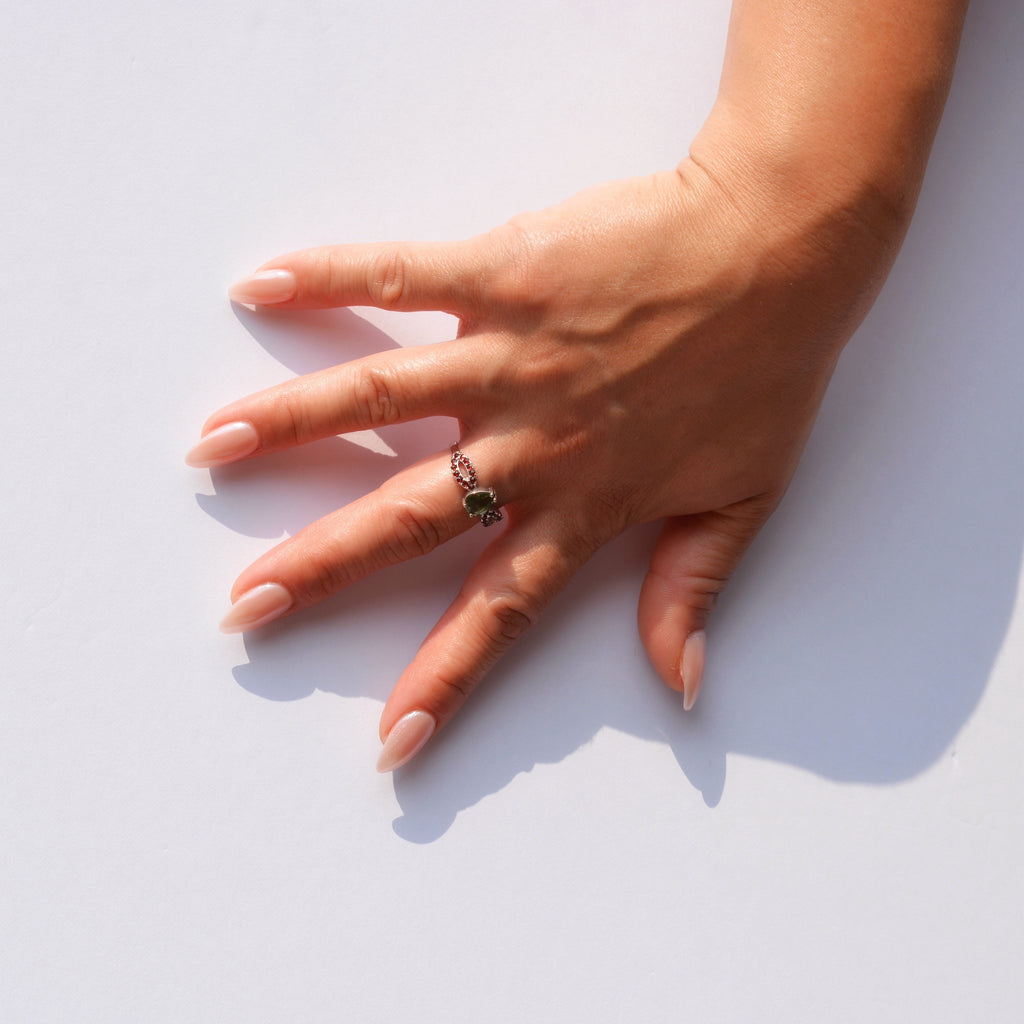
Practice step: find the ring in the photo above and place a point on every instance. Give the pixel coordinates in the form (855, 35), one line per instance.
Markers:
(480, 502)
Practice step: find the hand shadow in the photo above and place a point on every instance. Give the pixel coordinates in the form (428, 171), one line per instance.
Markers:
(858, 636)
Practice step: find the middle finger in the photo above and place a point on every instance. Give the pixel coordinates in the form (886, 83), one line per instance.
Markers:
(385, 388)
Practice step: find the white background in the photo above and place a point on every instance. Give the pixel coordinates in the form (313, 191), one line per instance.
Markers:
(192, 829)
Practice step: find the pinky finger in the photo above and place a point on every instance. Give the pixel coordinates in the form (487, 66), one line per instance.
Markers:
(502, 597)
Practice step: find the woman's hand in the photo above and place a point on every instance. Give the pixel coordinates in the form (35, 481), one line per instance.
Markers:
(651, 349)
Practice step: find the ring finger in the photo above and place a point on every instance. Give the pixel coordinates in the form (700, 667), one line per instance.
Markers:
(409, 515)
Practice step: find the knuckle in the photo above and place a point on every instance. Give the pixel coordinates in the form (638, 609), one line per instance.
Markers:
(512, 614)
(386, 278)
(697, 591)
(611, 507)
(702, 592)
(414, 534)
(514, 279)
(457, 687)
(291, 420)
(374, 395)
(325, 576)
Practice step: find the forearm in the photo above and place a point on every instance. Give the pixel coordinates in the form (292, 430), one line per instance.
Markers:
(832, 98)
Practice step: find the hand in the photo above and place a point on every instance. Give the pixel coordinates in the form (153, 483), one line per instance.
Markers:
(651, 349)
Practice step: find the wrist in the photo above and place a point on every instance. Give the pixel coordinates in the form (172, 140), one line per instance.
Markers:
(802, 231)
(789, 176)
(832, 107)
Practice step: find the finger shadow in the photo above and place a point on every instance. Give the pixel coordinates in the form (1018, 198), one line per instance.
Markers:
(276, 495)
(307, 340)
(356, 643)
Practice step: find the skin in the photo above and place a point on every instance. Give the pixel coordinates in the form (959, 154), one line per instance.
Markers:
(662, 342)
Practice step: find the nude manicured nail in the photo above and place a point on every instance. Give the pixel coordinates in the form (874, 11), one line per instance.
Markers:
(225, 444)
(256, 607)
(264, 288)
(691, 667)
(405, 740)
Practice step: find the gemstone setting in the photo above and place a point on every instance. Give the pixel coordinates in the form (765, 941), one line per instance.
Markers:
(480, 501)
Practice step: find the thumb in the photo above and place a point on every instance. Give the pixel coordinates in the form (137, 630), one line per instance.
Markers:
(691, 564)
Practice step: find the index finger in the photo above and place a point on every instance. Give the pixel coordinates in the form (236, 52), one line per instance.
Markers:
(404, 276)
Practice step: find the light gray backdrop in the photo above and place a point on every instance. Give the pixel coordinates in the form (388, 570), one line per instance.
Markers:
(192, 829)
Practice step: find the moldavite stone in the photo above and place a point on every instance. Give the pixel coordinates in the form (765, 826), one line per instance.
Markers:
(477, 502)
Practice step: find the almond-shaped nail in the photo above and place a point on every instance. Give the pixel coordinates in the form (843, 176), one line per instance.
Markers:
(406, 740)
(225, 444)
(264, 288)
(256, 607)
(691, 667)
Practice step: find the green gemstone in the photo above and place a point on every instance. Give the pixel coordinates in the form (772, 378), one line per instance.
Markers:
(477, 502)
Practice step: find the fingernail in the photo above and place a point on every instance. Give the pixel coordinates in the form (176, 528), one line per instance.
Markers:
(225, 444)
(264, 288)
(405, 740)
(691, 667)
(256, 607)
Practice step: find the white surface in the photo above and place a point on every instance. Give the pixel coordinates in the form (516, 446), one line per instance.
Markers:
(192, 829)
